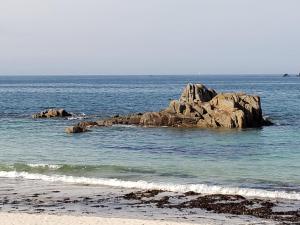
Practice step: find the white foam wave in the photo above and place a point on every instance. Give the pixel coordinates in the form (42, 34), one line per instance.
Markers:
(124, 125)
(50, 166)
(77, 116)
(199, 188)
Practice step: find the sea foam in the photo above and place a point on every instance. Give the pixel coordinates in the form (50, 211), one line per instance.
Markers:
(199, 188)
(42, 165)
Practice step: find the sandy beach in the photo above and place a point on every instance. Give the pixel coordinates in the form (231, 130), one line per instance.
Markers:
(38, 202)
(44, 219)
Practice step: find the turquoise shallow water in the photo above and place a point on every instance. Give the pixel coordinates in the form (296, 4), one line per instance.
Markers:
(263, 159)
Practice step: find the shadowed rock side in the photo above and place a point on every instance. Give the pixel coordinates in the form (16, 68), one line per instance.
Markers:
(199, 106)
(50, 113)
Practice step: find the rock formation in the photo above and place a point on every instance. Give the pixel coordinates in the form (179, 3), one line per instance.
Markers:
(50, 113)
(201, 107)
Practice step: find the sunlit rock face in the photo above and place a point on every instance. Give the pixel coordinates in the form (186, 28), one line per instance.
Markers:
(230, 110)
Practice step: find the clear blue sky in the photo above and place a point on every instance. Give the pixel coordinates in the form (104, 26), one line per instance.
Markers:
(149, 36)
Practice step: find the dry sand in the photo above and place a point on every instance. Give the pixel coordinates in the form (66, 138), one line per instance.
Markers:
(44, 219)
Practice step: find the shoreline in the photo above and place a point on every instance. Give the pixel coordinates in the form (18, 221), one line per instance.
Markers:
(40, 197)
(145, 185)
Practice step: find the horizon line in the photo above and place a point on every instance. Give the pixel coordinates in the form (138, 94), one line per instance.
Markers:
(188, 74)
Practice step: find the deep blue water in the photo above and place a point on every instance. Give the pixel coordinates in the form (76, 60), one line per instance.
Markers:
(266, 158)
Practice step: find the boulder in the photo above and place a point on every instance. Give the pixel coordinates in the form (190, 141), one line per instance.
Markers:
(236, 110)
(132, 119)
(87, 124)
(75, 129)
(151, 119)
(104, 123)
(50, 113)
(229, 110)
(194, 93)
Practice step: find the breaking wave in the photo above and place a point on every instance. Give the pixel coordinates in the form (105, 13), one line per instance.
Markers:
(70, 169)
(199, 188)
(77, 117)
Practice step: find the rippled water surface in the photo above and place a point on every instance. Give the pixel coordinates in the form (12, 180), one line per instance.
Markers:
(266, 158)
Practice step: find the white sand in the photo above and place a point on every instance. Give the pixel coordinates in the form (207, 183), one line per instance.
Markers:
(44, 219)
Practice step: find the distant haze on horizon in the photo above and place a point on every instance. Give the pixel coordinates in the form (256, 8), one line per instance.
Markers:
(64, 37)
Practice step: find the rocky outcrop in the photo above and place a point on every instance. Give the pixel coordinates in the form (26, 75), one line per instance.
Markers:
(50, 113)
(209, 109)
(200, 107)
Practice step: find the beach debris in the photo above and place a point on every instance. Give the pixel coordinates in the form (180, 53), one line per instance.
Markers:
(199, 107)
(50, 113)
(218, 203)
(142, 194)
(65, 201)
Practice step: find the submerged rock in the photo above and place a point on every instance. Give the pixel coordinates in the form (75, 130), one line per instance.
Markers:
(50, 113)
(199, 106)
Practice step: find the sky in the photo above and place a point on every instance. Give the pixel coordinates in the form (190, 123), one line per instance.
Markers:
(115, 37)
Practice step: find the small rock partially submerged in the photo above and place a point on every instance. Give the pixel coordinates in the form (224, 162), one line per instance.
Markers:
(75, 129)
(80, 127)
(50, 113)
(200, 107)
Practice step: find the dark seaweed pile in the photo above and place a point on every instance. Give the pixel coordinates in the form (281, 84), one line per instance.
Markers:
(229, 204)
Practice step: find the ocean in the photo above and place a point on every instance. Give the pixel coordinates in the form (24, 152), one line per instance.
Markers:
(256, 162)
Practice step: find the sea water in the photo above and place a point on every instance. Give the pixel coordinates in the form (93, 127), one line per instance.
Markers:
(261, 162)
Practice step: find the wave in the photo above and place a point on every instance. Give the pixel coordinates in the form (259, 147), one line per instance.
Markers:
(42, 165)
(77, 116)
(70, 169)
(181, 188)
(124, 125)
